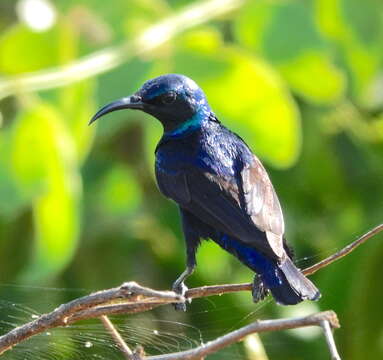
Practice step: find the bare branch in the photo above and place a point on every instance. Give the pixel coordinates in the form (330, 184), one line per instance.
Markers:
(132, 298)
(345, 251)
(114, 309)
(117, 337)
(59, 317)
(259, 326)
(205, 291)
(330, 340)
(223, 289)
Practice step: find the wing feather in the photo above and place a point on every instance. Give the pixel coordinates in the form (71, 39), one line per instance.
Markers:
(245, 208)
(262, 204)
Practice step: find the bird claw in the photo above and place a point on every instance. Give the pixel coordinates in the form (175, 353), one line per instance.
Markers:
(179, 306)
(180, 288)
(259, 290)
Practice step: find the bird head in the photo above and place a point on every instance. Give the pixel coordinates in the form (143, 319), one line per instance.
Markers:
(175, 100)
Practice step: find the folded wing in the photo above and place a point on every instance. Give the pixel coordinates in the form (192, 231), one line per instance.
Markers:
(244, 206)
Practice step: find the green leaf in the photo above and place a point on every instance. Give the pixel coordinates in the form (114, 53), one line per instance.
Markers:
(141, 14)
(364, 305)
(10, 195)
(214, 271)
(315, 77)
(286, 35)
(113, 85)
(119, 192)
(152, 134)
(30, 151)
(22, 50)
(246, 93)
(254, 347)
(77, 104)
(45, 169)
(356, 28)
(56, 219)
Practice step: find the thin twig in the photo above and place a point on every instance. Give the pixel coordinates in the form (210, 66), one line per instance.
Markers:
(107, 59)
(345, 251)
(330, 340)
(204, 291)
(60, 316)
(131, 298)
(223, 289)
(117, 337)
(256, 327)
(114, 309)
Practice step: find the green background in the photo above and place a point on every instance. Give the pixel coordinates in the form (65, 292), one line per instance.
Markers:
(300, 81)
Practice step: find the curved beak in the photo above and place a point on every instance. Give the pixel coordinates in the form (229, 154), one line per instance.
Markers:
(129, 102)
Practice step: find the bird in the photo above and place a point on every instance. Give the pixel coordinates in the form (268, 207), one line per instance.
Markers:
(222, 189)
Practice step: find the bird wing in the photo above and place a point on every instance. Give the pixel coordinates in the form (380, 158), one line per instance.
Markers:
(262, 204)
(246, 208)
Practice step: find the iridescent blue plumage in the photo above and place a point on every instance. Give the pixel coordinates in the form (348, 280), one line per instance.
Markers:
(189, 125)
(222, 189)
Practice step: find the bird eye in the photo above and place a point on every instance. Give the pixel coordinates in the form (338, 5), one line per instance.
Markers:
(169, 98)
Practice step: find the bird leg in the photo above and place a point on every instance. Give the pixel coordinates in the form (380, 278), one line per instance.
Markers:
(189, 225)
(259, 290)
(179, 286)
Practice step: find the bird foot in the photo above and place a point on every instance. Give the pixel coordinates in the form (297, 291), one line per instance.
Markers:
(259, 290)
(180, 288)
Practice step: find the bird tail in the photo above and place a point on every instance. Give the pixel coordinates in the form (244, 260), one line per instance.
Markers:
(293, 286)
(281, 277)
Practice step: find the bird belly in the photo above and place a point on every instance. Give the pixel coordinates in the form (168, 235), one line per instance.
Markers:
(250, 257)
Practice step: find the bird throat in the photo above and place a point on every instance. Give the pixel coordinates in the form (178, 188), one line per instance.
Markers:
(189, 125)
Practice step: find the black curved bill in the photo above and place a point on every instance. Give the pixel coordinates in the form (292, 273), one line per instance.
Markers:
(129, 102)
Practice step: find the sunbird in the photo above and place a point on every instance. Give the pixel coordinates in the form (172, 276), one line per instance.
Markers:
(222, 189)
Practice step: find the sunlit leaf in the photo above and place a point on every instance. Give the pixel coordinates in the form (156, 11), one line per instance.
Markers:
(357, 30)
(56, 218)
(254, 348)
(142, 13)
(116, 84)
(78, 106)
(10, 195)
(246, 93)
(119, 192)
(286, 35)
(217, 269)
(29, 153)
(22, 50)
(68, 39)
(152, 135)
(315, 77)
(363, 305)
(44, 167)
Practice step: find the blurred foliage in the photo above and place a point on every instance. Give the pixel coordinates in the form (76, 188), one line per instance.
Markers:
(300, 81)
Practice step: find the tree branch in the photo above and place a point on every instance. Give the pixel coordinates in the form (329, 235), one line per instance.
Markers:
(130, 291)
(256, 327)
(223, 289)
(326, 326)
(132, 298)
(125, 349)
(345, 251)
(107, 59)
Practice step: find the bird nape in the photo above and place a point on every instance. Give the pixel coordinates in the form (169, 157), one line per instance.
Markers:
(222, 189)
